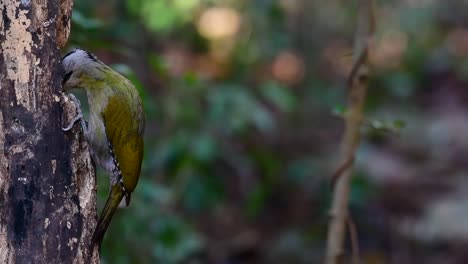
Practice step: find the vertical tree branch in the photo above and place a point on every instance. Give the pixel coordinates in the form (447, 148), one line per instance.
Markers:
(357, 86)
(47, 181)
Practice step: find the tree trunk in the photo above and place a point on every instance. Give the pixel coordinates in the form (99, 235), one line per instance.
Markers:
(47, 181)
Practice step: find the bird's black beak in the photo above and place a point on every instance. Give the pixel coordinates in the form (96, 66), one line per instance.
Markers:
(66, 77)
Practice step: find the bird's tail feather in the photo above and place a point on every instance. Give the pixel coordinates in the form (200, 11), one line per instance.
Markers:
(113, 201)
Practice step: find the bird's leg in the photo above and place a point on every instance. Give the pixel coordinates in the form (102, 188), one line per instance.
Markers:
(79, 116)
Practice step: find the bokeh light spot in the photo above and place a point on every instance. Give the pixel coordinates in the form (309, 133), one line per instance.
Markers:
(390, 49)
(288, 68)
(218, 22)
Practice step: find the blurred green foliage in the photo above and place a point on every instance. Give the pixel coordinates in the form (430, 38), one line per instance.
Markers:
(241, 133)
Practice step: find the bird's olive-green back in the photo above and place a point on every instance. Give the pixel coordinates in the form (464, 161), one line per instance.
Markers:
(124, 122)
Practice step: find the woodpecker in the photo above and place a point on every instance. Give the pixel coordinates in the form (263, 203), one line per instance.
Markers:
(114, 131)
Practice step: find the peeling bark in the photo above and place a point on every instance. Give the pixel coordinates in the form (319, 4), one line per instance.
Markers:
(47, 181)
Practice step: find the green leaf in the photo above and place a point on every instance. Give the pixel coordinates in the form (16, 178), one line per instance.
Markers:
(279, 95)
(399, 124)
(85, 22)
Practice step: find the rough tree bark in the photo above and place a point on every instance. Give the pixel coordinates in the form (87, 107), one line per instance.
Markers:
(47, 181)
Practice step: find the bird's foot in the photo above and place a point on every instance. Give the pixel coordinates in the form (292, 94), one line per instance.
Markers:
(79, 115)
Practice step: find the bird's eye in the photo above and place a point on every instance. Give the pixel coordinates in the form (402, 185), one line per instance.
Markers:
(67, 77)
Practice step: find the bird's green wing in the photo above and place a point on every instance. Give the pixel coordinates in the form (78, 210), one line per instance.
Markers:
(124, 122)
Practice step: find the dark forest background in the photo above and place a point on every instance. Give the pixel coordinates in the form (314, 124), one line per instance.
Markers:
(244, 102)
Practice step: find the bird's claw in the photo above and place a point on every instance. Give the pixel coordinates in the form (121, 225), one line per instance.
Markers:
(72, 123)
(79, 116)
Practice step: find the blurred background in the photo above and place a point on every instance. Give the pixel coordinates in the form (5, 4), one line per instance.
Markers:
(243, 100)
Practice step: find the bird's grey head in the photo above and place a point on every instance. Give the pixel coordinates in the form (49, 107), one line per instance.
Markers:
(77, 63)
